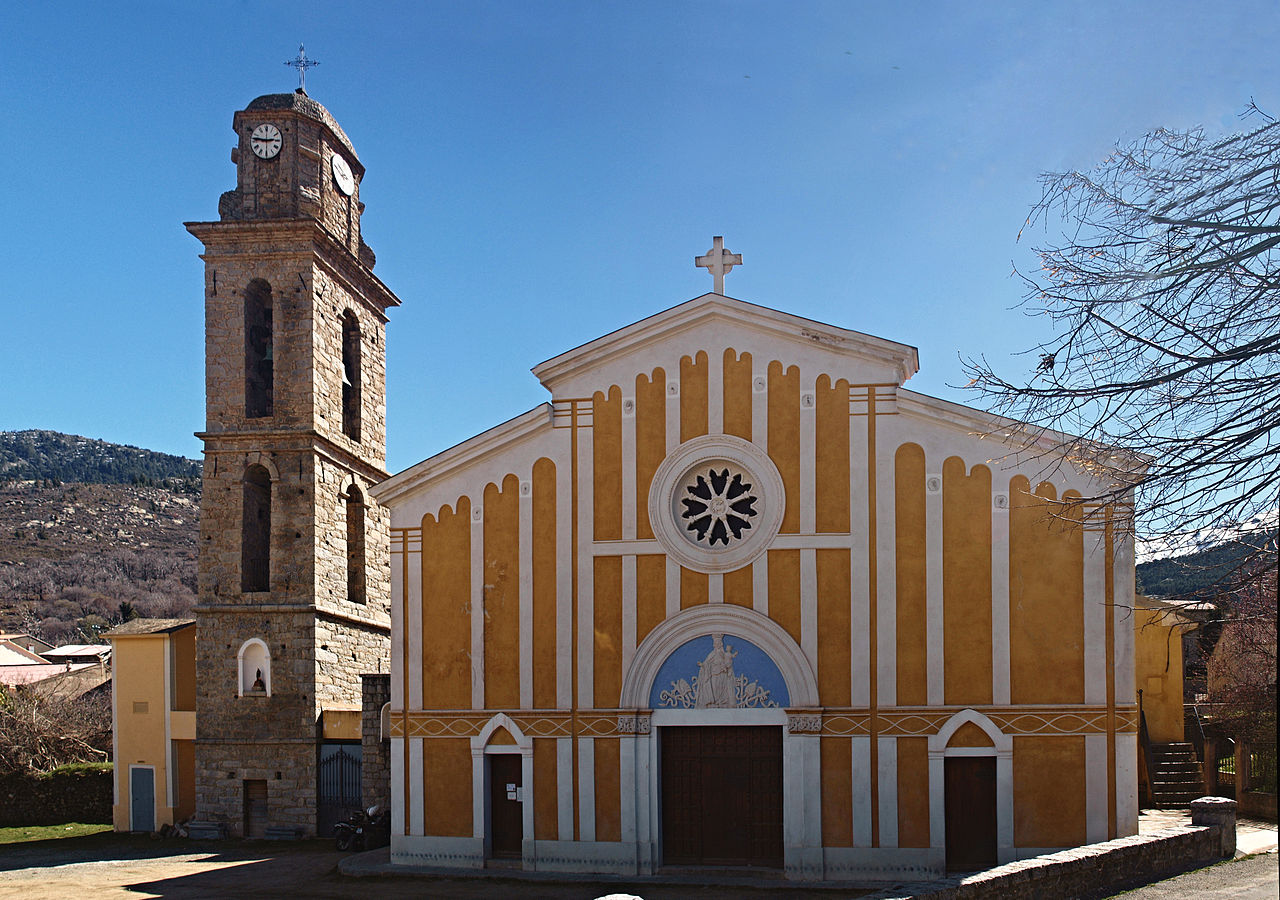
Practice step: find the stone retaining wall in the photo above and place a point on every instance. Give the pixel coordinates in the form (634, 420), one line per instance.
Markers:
(56, 798)
(1083, 871)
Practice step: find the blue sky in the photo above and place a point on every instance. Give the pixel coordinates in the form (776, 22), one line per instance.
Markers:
(540, 173)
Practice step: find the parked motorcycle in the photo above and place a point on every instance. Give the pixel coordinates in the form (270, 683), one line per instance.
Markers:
(364, 830)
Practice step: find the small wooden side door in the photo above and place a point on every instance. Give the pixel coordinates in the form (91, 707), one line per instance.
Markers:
(506, 820)
(970, 789)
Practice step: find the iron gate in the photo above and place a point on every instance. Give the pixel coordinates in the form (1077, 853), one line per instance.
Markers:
(338, 789)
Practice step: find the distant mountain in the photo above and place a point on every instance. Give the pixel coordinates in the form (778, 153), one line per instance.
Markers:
(1205, 573)
(49, 456)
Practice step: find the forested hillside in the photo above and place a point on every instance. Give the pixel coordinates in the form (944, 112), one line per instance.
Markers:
(48, 456)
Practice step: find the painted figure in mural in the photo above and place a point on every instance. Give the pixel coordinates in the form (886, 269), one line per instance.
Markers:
(717, 685)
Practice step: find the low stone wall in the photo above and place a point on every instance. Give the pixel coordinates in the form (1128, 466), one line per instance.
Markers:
(1257, 805)
(1085, 870)
(55, 798)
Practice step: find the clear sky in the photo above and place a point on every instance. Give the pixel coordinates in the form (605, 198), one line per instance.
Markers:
(541, 173)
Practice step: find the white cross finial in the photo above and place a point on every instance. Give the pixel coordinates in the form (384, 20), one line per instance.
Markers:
(718, 261)
(301, 63)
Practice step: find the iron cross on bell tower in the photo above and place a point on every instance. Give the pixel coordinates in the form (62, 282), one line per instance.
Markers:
(301, 63)
(718, 261)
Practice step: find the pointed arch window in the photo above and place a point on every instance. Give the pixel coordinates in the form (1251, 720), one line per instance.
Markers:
(259, 351)
(255, 533)
(355, 545)
(351, 376)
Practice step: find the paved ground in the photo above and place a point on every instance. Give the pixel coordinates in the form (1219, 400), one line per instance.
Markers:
(119, 866)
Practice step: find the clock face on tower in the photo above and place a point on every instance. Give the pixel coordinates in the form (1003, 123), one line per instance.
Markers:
(342, 176)
(265, 141)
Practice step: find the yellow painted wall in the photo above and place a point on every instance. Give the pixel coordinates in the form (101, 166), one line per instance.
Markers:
(446, 608)
(502, 595)
(835, 634)
(607, 608)
(544, 584)
(784, 590)
(1048, 791)
(1157, 663)
(911, 561)
(837, 791)
(693, 396)
(651, 442)
(784, 437)
(606, 448)
(1046, 596)
(546, 821)
(693, 588)
(913, 792)
(138, 684)
(966, 583)
(738, 587)
(608, 790)
(831, 462)
(651, 594)
(737, 394)
(446, 778)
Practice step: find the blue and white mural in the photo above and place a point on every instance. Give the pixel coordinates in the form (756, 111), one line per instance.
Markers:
(718, 671)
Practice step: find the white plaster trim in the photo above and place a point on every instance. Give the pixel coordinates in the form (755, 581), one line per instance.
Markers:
(715, 588)
(587, 789)
(417, 790)
(760, 584)
(628, 472)
(564, 582)
(935, 644)
(169, 774)
(861, 800)
(525, 552)
(627, 800)
(628, 610)
(397, 787)
(1095, 787)
(501, 720)
(414, 625)
(1000, 660)
(886, 566)
(860, 574)
(666, 718)
(673, 587)
(477, 604)
(435, 851)
(724, 618)
(705, 450)
(808, 456)
(564, 788)
(586, 566)
(809, 606)
(888, 782)
(1126, 784)
(671, 409)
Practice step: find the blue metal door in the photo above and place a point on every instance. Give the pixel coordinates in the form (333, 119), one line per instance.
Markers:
(142, 799)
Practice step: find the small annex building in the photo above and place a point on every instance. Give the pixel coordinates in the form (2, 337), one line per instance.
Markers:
(153, 716)
(734, 596)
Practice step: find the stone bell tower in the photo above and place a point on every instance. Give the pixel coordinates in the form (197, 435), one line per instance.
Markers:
(294, 569)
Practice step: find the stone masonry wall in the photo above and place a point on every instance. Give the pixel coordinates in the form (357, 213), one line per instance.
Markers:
(375, 770)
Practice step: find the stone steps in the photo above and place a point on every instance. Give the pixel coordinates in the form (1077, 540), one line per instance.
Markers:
(1178, 778)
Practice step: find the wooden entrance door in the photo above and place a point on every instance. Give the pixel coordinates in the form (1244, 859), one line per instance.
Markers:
(255, 808)
(970, 790)
(722, 796)
(506, 822)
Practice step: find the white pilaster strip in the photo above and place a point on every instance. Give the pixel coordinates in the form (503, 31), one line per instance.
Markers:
(934, 643)
(414, 626)
(1122, 580)
(564, 788)
(526, 593)
(397, 782)
(999, 511)
(564, 585)
(808, 457)
(628, 612)
(417, 798)
(477, 603)
(1126, 784)
(860, 583)
(627, 787)
(760, 584)
(715, 392)
(1095, 787)
(586, 565)
(672, 408)
(1095, 616)
(587, 789)
(673, 587)
(886, 568)
(477, 792)
(809, 605)
(862, 811)
(715, 588)
(628, 468)
(888, 769)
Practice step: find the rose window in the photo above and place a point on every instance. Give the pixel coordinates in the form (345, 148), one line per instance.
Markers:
(717, 506)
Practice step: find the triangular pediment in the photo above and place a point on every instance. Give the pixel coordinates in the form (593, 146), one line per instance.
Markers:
(712, 321)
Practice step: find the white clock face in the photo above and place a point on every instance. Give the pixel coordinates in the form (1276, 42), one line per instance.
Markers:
(265, 141)
(342, 176)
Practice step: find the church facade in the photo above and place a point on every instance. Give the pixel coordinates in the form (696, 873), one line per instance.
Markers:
(734, 596)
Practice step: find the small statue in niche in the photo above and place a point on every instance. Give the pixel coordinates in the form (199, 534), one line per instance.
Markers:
(258, 684)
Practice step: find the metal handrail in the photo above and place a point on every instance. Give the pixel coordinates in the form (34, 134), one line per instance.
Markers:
(1144, 741)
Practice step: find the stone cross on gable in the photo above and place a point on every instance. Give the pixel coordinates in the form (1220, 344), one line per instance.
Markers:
(301, 63)
(718, 261)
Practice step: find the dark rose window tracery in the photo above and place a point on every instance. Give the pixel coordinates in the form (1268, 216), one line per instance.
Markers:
(718, 506)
